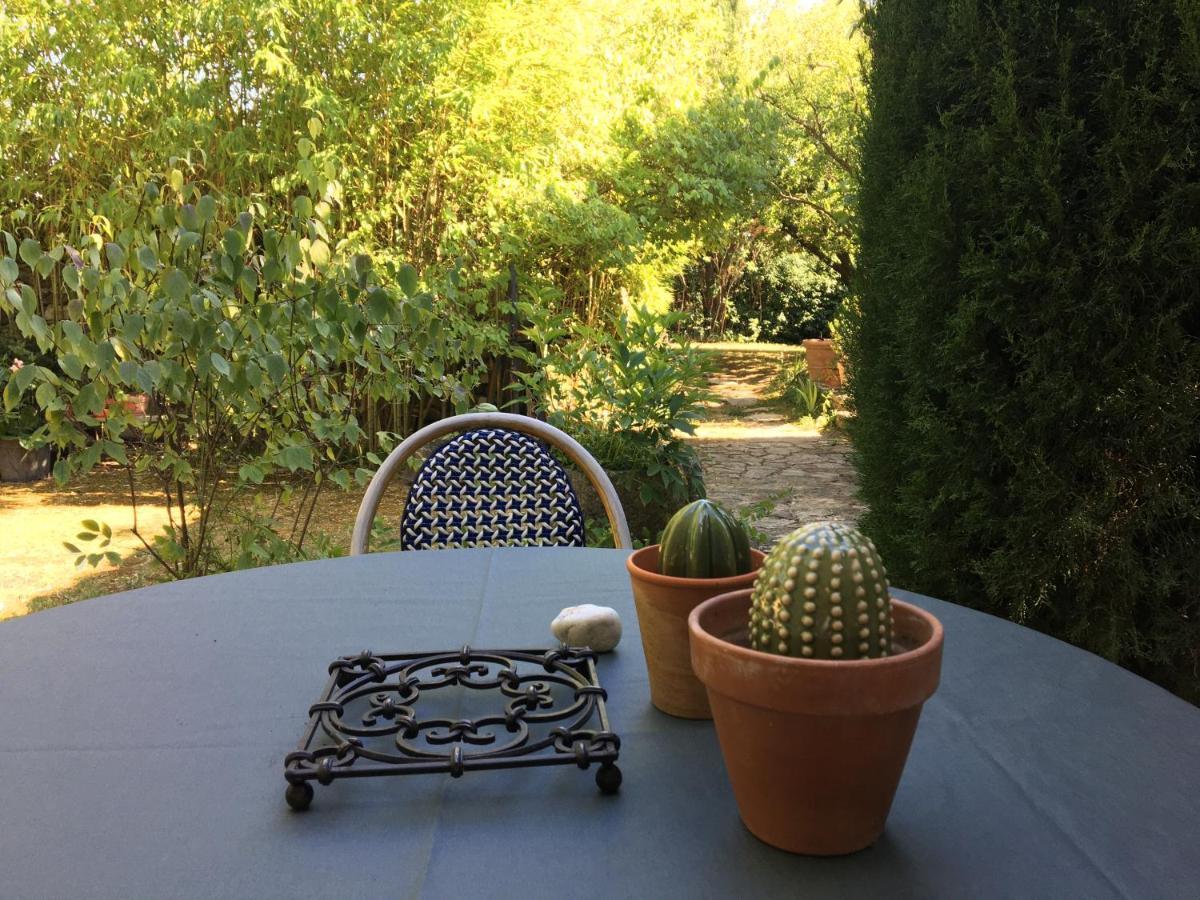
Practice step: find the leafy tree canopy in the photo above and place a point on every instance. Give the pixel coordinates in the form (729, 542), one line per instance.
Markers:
(599, 146)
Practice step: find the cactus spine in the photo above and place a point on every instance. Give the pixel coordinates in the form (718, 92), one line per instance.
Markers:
(822, 594)
(704, 541)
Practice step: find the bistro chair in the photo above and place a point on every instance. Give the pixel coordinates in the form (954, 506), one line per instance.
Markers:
(494, 484)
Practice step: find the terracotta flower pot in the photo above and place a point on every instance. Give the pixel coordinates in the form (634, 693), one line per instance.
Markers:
(663, 604)
(824, 364)
(814, 748)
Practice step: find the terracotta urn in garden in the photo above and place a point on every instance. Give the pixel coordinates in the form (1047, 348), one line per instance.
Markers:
(816, 678)
(704, 552)
(824, 364)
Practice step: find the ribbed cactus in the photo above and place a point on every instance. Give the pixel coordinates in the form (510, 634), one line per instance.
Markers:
(704, 541)
(822, 594)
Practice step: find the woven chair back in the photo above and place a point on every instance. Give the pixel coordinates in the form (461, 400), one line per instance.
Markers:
(491, 488)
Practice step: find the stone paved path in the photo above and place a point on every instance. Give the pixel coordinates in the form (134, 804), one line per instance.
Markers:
(751, 449)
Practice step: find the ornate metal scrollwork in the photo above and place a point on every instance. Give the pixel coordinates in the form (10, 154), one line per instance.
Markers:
(549, 710)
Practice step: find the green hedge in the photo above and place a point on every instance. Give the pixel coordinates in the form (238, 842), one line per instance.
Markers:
(1024, 350)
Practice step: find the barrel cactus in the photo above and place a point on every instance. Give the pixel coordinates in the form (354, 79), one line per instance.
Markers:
(822, 594)
(704, 541)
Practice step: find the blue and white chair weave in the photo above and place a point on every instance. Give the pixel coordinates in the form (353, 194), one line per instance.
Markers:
(491, 488)
(494, 484)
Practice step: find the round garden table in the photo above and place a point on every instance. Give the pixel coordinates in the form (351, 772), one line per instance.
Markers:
(144, 737)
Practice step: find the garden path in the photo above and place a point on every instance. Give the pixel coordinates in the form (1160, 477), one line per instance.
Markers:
(752, 447)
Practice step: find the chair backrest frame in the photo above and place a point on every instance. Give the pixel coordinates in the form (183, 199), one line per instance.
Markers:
(469, 422)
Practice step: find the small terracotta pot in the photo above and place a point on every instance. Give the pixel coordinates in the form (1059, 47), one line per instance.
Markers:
(814, 748)
(663, 604)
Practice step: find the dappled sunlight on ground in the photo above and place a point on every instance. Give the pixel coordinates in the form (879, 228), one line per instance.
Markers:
(748, 347)
(755, 448)
(749, 430)
(36, 518)
(743, 408)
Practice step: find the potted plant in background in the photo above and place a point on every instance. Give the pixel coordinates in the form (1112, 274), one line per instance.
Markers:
(704, 552)
(824, 363)
(22, 457)
(816, 677)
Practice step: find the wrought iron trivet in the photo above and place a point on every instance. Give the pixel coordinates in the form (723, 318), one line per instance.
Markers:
(367, 722)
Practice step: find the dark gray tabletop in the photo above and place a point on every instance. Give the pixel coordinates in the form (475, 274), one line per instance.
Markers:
(143, 737)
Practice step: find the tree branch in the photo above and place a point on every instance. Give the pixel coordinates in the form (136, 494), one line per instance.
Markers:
(813, 129)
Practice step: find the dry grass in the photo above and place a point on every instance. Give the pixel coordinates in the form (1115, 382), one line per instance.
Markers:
(36, 518)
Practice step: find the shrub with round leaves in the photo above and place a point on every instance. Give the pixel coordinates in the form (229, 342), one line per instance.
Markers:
(257, 345)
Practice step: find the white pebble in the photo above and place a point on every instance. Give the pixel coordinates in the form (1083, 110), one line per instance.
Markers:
(588, 625)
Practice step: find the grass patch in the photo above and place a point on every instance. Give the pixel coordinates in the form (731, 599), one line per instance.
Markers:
(36, 518)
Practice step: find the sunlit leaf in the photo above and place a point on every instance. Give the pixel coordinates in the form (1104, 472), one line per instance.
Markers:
(251, 473)
(319, 253)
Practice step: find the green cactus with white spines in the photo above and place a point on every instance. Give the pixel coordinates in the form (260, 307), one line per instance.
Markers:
(822, 594)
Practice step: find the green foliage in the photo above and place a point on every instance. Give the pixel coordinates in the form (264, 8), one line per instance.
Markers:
(98, 535)
(627, 393)
(814, 82)
(805, 396)
(750, 514)
(385, 536)
(20, 361)
(254, 535)
(599, 533)
(293, 227)
(651, 478)
(634, 377)
(777, 260)
(601, 148)
(1023, 354)
(258, 350)
(473, 133)
(783, 297)
(694, 175)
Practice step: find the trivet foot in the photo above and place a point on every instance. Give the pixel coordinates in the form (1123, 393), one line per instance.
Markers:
(608, 778)
(300, 794)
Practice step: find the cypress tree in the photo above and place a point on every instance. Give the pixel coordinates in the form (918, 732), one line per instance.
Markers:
(1023, 350)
